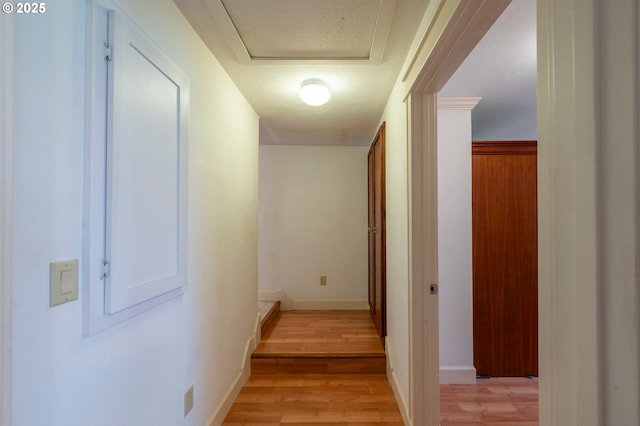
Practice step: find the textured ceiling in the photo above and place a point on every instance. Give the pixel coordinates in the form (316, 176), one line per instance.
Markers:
(268, 47)
(305, 29)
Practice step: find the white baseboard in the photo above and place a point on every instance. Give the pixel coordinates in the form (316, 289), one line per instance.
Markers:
(258, 336)
(329, 304)
(276, 296)
(395, 386)
(459, 375)
(243, 375)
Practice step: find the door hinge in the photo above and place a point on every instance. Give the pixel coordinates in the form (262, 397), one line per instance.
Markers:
(108, 53)
(433, 288)
(106, 269)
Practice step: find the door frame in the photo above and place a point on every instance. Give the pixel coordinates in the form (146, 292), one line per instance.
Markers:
(6, 141)
(448, 33)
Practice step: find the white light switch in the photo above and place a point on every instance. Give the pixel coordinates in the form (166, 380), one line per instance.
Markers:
(63, 281)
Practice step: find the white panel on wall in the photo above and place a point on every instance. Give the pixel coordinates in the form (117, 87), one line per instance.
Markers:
(146, 201)
(135, 212)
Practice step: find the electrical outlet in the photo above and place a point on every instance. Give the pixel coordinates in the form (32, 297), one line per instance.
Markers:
(188, 400)
(323, 280)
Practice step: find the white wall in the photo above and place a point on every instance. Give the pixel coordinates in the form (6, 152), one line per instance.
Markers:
(455, 250)
(6, 124)
(313, 222)
(395, 116)
(134, 373)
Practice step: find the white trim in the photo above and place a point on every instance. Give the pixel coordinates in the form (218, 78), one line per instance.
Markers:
(588, 202)
(567, 258)
(457, 24)
(463, 375)
(461, 103)
(425, 28)
(424, 384)
(219, 15)
(381, 31)
(241, 379)
(6, 207)
(395, 385)
(257, 332)
(95, 319)
(450, 31)
(330, 304)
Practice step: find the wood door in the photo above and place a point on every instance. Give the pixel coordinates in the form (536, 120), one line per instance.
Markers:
(376, 219)
(505, 258)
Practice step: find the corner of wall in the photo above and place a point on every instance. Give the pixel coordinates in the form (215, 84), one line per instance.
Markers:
(243, 375)
(276, 296)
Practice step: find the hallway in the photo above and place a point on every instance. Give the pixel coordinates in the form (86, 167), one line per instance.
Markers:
(317, 367)
(328, 367)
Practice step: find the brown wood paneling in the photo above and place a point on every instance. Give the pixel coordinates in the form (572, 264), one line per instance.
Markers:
(505, 263)
(377, 232)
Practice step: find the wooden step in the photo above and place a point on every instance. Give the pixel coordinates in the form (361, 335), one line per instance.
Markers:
(320, 342)
(318, 364)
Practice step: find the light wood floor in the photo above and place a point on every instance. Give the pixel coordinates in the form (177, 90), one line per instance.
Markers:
(321, 333)
(328, 399)
(285, 387)
(272, 397)
(499, 401)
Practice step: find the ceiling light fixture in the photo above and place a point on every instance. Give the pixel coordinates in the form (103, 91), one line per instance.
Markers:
(314, 92)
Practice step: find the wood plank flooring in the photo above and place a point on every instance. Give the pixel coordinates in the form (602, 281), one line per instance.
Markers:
(301, 342)
(331, 399)
(319, 333)
(318, 368)
(320, 342)
(499, 401)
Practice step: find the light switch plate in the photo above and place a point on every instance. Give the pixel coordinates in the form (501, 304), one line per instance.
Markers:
(63, 281)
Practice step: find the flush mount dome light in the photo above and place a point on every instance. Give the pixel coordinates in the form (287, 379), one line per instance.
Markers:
(314, 92)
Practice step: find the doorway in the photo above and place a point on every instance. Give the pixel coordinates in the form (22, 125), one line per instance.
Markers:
(457, 336)
(434, 61)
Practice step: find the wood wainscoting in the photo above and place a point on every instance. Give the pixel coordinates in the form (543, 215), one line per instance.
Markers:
(505, 258)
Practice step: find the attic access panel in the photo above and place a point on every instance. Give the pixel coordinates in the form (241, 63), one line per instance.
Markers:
(305, 29)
